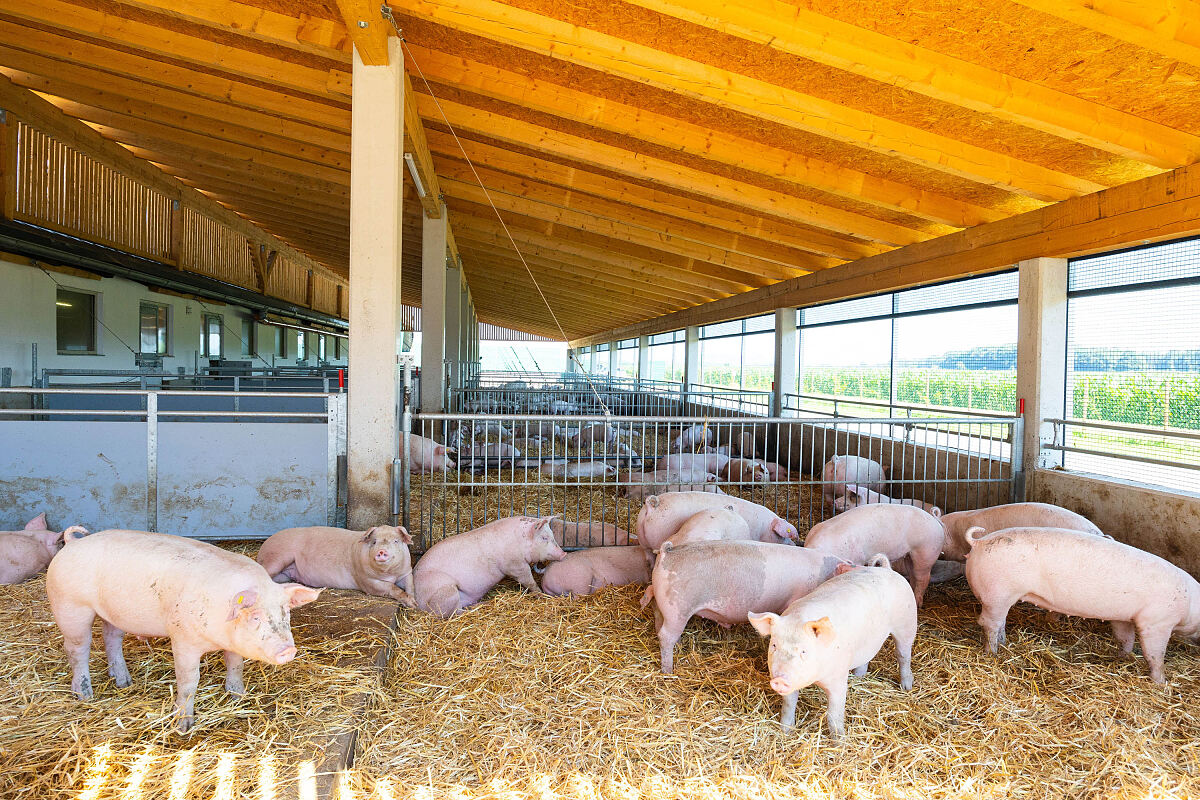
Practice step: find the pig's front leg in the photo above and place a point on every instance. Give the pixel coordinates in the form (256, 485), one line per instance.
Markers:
(787, 715)
(523, 575)
(835, 716)
(861, 669)
(117, 668)
(187, 675)
(233, 673)
(399, 595)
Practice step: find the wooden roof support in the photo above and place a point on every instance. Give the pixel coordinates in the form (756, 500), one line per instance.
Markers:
(635, 165)
(555, 38)
(1169, 28)
(44, 115)
(864, 52)
(367, 28)
(1152, 209)
(647, 125)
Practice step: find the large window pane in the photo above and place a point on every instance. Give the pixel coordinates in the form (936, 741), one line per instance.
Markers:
(75, 314)
(154, 331)
(666, 362)
(849, 360)
(758, 361)
(721, 362)
(212, 337)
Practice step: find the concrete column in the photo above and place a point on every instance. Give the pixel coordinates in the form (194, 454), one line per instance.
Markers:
(786, 358)
(644, 358)
(433, 311)
(691, 357)
(376, 197)
(453, 321)
(1041, 355)
(612, 358)
(572, 354)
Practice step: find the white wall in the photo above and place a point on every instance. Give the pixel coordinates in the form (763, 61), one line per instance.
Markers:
(27, 316)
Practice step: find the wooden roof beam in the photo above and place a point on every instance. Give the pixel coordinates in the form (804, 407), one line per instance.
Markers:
(557, 39)
(864, 52)
(1169, 28)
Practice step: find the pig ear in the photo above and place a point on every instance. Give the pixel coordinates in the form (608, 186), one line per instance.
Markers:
(853, 490)
(439, 450)
(821, 629)
(784, 529)
(763, 623)
(842, 569)
(38, 523)
(241, 601)
(368, 535)
(299, 595)
(405, 536)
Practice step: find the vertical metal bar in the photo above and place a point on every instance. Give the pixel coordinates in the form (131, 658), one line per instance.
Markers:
(152, 462)
(403, 479)
(237, 398)
(333, 448)
(1016, 450)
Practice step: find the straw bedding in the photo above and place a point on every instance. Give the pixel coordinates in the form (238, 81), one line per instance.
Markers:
(552, 697)
(49, 740)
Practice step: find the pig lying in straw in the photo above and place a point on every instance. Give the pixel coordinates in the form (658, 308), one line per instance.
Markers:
(841, 471)
(856, 496)
(586, 571)
(1012, 515)
(1083, 575)
(375, 561)
(644, 484)
(724, 581)
(662, 515)
(27, 552)
(837, 627)
(426, 455)
(457, 572)
(150, 584)
(908, 536)
(587, 534)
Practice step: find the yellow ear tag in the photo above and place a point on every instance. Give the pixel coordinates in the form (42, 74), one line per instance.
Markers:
(241, 599)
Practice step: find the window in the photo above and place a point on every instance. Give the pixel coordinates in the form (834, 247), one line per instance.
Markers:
(339, 348)
(280, 343)
(1133, 365)
(321, 347)
(249, 337)
(212, 337)
(155, 328)
(666, 356)
(739, 355)
(600, 359)
(627, 359)
(76, 322)
(301, 348)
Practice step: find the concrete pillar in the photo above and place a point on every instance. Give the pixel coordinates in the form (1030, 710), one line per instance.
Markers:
(572, 354)
(612, 358)
(433, 311)
(376, 197)
(786, 358)
(453, 321)
(691, 357)
(1041, 355)
(644, 358)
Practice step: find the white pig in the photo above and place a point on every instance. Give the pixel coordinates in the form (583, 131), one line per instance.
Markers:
(375, 561)
(151, 584)
(27, 552)
(426, 455)
(709, 462)
(842, 470)
(1011, 515)
(1083, 575)
(691, 436)
(586, 571)
(908, 536)
(709, 525)
(662, 515)
(587, 534)
(579, 470)
(746, 470)
(856, 496)
(838, 627)
(645, 484)
(458, 571)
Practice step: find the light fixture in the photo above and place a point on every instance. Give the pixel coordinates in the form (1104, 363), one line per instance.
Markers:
(412, 170)
(61, 303)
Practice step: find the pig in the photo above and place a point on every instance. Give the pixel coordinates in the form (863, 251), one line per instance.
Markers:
(709, 462)
(1083, 575)
(662, 515)
(724, 581)
(739, 443)
(775, 472)
(27, 552)
(426, 455)
(563, 407)
(457, 572)
(586, 571)
(690, 437)
(745, 470)
(375, 561)
(543, 429)
(152, 584)
(709, 525)
(663, 481)
(842, 470)
(1011, 515)
(587, 534)
(579, 470)
(898, 532)
(838, 627)
(856, 496)
(591, 435)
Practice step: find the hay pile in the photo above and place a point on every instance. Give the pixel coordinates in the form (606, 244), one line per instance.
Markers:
(52, 745)
(557, 698)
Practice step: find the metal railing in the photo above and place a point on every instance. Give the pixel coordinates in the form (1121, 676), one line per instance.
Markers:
(513, 464)
(1145, 453)
(835, 405)
(155, 409)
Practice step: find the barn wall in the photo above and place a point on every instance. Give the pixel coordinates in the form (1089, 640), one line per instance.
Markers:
(1167, 523)
(27, 315)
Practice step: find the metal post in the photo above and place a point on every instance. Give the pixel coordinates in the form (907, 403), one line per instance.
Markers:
(402, 462)
(335, 409)
(1016, 451)
(152, 462)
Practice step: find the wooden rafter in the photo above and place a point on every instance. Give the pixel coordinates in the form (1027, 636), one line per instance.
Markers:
(1171, 28)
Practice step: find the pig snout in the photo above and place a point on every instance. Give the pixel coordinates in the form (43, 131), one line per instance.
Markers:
(382, 556)
(285, 654)
(781, 684)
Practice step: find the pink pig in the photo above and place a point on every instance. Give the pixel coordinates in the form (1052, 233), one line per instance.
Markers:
(1083, 575)
(662, 515)
(842, 470)
(375, 561)
(426, 455)
(151, 584)
(587, 534)
(708, 462)
(1012, 515)
(27, 552)
(856, 496)
(586, 571)
(724, 581)
(458, 571)
(908, 536)
(663, 481)
(709, 525)
(746, 470)
(838, 627)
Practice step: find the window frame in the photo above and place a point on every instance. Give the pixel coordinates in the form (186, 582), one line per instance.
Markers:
(205, 318)
(166, 328)
(96, 312)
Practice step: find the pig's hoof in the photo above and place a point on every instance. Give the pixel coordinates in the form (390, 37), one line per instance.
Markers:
(123, 681)
(235, 688)
(83, 690)
(184, 725)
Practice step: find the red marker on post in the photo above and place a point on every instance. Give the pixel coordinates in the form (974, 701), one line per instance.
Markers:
(342, 380)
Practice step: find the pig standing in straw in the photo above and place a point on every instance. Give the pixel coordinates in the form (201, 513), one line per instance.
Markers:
(150, 584)
(839, 626)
